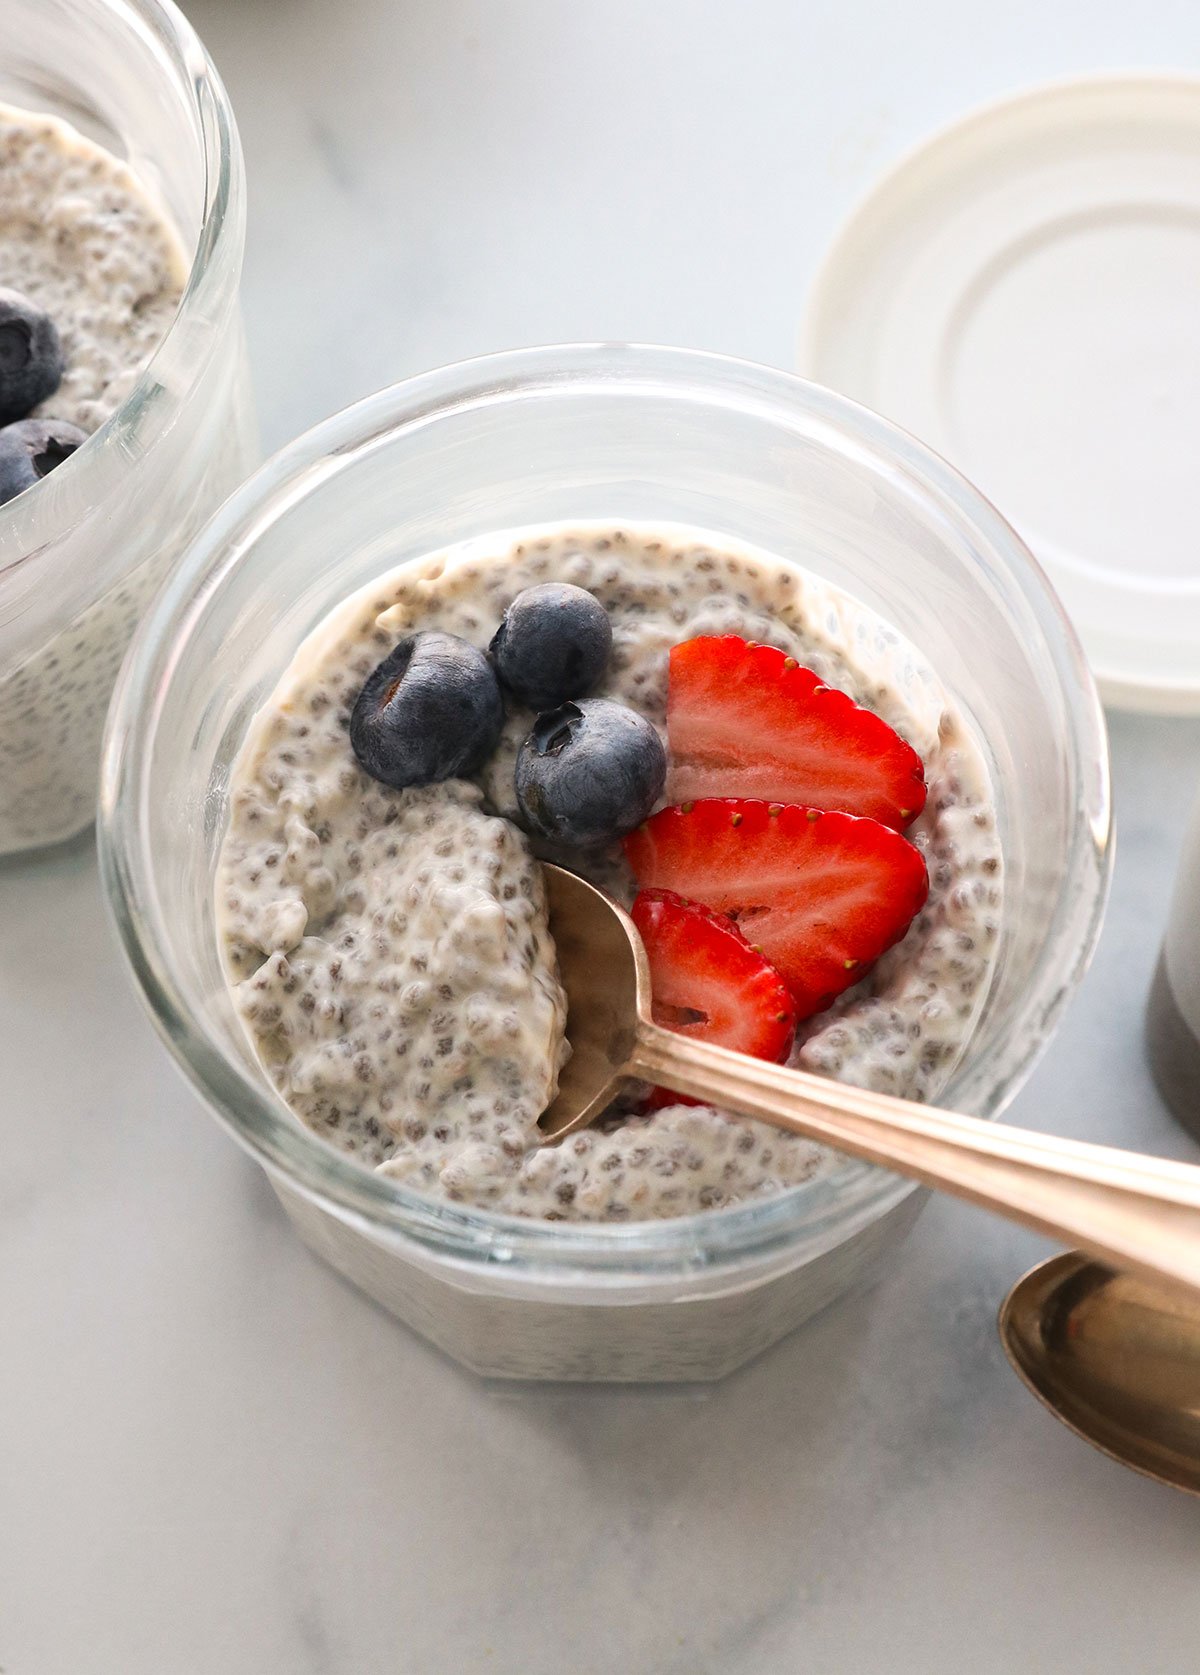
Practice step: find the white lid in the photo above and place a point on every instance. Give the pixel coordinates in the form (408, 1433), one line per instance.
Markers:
(1023, 294)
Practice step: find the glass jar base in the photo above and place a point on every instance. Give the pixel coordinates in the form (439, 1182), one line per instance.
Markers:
(667, 1333)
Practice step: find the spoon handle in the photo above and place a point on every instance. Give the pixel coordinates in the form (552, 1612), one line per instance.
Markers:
(1134, 1212)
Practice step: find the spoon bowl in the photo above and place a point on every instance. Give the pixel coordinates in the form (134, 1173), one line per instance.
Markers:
(606, 975)
(1116, 1358)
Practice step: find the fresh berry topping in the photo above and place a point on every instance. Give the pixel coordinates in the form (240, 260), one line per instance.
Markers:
(707, 981)
(31, 449)
(589, 772)
(552, 644)
(431, 710)
(822, 895)
(745, 720)
(31, 362)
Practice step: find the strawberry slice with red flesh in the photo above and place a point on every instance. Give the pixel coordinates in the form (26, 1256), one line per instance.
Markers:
(706, 981)
(821, 894)
(745, 720)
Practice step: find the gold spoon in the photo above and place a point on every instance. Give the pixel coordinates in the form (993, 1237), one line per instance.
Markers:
(1116, 1358)
(1081, 1351)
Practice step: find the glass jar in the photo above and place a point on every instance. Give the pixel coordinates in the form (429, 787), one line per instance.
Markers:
(572, 434)
(81, 554)
(1173, 1008)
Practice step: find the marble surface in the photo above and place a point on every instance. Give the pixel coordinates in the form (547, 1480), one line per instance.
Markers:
(215, 1457)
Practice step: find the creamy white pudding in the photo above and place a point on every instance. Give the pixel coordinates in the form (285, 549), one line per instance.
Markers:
(388, 950)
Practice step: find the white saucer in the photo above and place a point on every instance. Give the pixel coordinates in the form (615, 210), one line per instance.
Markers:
(1023, 293)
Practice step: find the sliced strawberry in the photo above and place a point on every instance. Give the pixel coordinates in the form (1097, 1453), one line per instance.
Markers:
(822, 895)
(707, 981)
(744, 720)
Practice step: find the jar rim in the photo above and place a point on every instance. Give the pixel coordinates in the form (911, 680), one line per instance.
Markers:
(184, 57)
(258, 1118)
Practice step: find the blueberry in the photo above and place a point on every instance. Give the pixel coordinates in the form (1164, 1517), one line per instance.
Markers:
(31, 360)
(589, 772)
(30, 450)
(553, 644)
(431, 710)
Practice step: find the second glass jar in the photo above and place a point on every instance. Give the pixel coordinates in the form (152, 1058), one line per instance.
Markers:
(82, 552)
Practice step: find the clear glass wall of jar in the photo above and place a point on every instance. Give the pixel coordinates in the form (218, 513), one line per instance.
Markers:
(81, 554)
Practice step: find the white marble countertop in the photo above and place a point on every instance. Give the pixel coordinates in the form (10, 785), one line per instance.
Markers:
(217, 1459)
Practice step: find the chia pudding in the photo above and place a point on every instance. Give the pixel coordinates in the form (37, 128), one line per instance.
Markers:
(82, 240)
(80, 237)
(388, 950)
